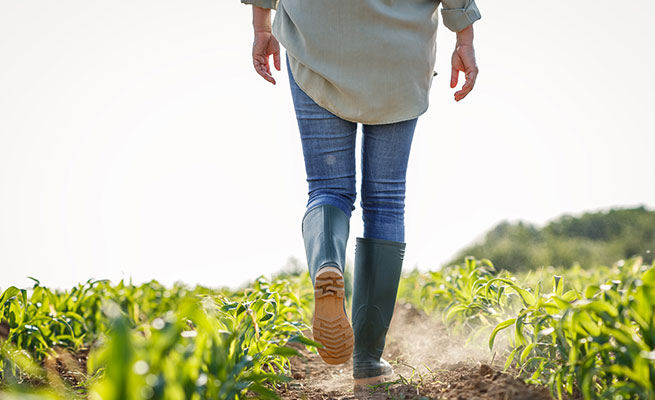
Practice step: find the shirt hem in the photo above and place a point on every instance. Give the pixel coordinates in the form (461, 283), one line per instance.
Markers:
(330, 109)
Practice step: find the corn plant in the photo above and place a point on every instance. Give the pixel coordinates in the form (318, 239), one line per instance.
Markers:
(600, 341)
(582, 331)
(151, 342)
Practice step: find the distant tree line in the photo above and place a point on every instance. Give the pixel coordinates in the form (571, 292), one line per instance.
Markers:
(590, 239)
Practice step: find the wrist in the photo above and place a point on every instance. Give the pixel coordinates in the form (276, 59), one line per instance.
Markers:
(463, 46)
(261, 19)
(465, 36)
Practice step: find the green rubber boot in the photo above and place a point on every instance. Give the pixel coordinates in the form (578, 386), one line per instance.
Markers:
(325, 231)
(378, 264)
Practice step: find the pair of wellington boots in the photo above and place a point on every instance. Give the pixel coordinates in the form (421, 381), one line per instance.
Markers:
(378, 265)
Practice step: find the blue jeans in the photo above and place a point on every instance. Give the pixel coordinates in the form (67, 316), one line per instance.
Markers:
(328, 143)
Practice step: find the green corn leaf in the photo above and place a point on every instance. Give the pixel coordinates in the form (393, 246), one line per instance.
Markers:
(304, 340)
(597, 307)
(263, 392)
(518, 331)
(570, 296)
(261, 376)
(590, 291)
(8, 294)
(649, 277)
(526, 352)
(499, 328)
(281, 351)
(510, 358)
(558, 286)
(454, 311)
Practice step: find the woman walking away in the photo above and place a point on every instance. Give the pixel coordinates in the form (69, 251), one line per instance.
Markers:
(366, 62)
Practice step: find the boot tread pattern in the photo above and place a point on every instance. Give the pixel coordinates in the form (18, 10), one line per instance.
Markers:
(329, 283)
(331, 327)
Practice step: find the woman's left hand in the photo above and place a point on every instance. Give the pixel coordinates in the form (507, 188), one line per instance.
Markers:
(464, 60)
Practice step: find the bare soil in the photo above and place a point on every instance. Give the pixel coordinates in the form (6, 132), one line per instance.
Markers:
(428, 364)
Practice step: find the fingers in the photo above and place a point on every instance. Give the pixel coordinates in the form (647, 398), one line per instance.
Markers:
(454, 77)
(471, 76)
(263, 69)
(276, 60)
(464, 60)
(263, 47)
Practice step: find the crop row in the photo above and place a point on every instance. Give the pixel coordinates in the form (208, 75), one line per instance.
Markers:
(125, 342)
(593, 336)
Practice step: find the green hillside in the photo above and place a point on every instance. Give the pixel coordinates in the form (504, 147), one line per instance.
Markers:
(590, 239)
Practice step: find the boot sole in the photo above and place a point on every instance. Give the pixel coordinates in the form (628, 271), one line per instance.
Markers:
(363, 383)
(331, 327)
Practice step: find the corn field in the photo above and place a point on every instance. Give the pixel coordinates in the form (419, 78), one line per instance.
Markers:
(585, 333)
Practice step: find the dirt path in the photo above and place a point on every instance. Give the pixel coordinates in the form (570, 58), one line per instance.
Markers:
(427, 365)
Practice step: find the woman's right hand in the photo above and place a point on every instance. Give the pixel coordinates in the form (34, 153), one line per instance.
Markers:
(265, 44)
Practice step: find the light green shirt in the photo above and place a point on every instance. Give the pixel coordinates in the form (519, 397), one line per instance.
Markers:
(366, 61)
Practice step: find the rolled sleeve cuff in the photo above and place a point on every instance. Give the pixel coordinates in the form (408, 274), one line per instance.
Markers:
(262, 3)
(457, 19)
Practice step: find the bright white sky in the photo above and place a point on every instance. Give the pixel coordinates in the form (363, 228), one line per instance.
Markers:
(137, 141)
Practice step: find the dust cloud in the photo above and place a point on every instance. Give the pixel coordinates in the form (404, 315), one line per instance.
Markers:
(418, 346)
(422, 344)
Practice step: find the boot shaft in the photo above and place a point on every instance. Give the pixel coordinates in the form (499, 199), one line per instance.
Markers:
(325, 230)
(378, 266)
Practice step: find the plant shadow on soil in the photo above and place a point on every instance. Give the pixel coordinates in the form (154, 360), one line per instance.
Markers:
(427, 362)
